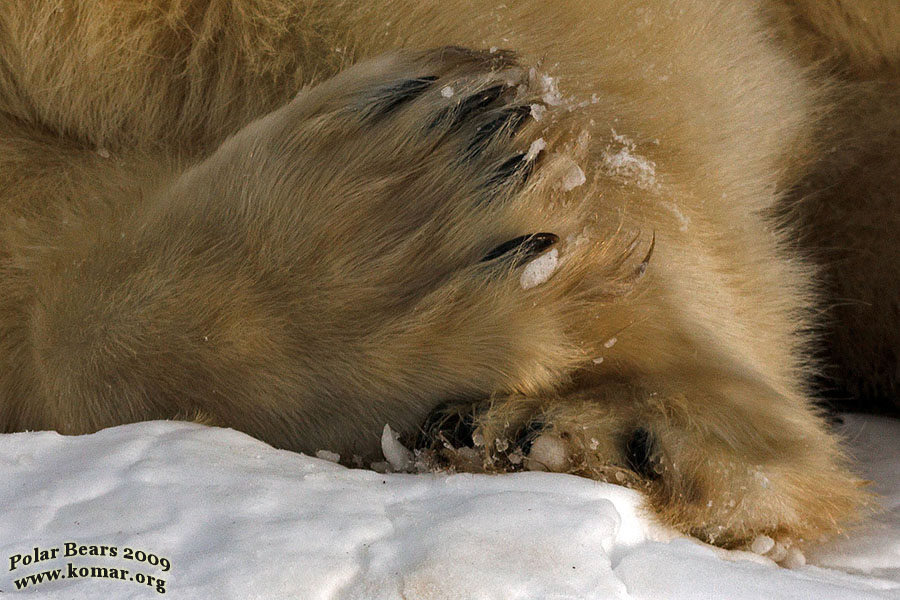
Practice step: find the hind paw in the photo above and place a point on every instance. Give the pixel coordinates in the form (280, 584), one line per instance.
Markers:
(717, 487)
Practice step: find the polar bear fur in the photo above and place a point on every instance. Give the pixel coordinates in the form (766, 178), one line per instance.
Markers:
(296, 219)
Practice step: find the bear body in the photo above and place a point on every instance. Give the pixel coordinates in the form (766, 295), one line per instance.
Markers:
(576, 225)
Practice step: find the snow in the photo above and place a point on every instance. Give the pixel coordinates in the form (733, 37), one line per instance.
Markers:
(329, 456)
(549, 87)
(235, 518)
(396, 454)
(627, 165)
(683, 221)
(794, 559)
(537, 111)
(573, 178)
(539, 270)
(874, 549)
(536, 147)
(762, 544)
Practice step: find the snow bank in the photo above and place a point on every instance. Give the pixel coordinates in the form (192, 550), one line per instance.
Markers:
(234, 518)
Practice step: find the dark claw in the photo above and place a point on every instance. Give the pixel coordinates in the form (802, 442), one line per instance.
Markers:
(508, 121)
(833, 419)
(477, 102)
(455, 115)
(524, 247)
(495, 60)
(518, 166)
(451, 422)
(640, 454)
(642, 268)
(392, 98)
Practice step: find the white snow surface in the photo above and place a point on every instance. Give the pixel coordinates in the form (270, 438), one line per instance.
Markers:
(238, 519)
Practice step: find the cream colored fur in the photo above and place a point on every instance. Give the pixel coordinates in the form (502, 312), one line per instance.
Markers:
(183, 234)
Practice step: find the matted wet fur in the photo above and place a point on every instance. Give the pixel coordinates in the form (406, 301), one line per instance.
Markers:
(183, 235)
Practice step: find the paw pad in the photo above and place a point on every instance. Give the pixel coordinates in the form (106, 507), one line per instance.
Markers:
(548, 453)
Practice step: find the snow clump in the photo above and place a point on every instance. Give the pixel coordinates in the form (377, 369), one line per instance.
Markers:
(535, 149)
(539, 270)
(573, 178)
(329, 456)
(394, 452)
(626, 164)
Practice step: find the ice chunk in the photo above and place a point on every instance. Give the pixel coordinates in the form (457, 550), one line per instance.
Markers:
(794, 559)
(539, 270)
(535, 149)
(762, 544)
(329, 456)
(574, 178)
(551, 91)
(397, 456)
